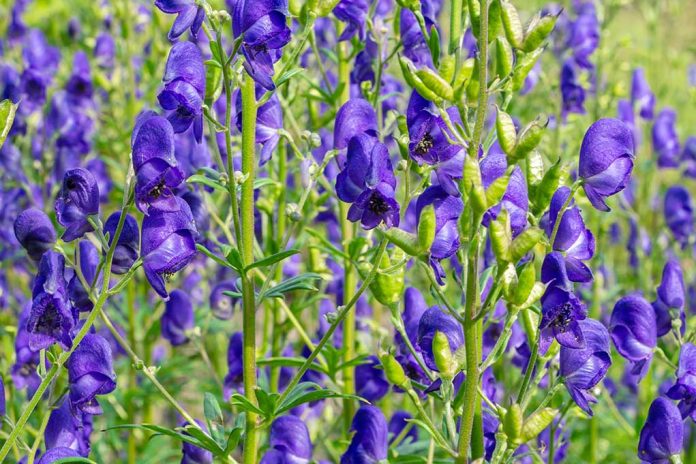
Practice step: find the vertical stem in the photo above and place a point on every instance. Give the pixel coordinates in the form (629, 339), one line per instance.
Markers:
(132, 373)
(279, 234)
(349, 277)
(247, 248)
(455, 32)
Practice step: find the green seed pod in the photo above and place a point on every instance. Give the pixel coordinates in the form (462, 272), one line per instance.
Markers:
(525, 283)
(412, 5)
(393, 371)
(535, 295)
(538, 30)
(504, 58)
(495, 191)
(474, 184)
(535, 171)
(472, 88)
(505, 129)
(509, 281)
(387, 287)
(529, 139)
(446, 68)
(511, 23)
(406, 241)
(426, 227)
(548, 186)
(501, 237)
(525, 63)
(475, 15)
(513, 424)
(410, 75)
(536, 423)
(325, 7)
(213, 83)
(461, 80)
(495, 24)
(525, 242)
(443, 356)
(436, 84)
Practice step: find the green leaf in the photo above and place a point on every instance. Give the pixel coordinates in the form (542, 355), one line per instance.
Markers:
(270, 260)
(213, 256)
(267, 401)
(300, 282)
(211, 409)
(199, 179)
(283, 361)
(307, 392)
(74, 460)
(161, 431)
(287, 75)
(7, 115)
(264, 181)
(205, 439)
(244, 404)
(233, 439)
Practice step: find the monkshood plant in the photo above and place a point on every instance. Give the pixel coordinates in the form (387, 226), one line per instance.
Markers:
(272, 231)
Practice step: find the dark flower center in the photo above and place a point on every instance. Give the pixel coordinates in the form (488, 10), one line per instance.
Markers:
(564, 317)
(378, 205)
(157, 190)
(424, 145)
(71, 184)
(167, 276)
(50, 321)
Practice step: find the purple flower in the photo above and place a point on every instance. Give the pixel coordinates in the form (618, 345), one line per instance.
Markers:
(35, 232)
(573, 239)
(89, 261)
(68, 429)
(128, 244)
(262, 25)
(354, 14)
(584, 368)
(689, 157)
(684, 389)
(105, 50)
(79, 86)
(223, 305)
(572, 93)
(168, 243)
(662, 434)
(289, 442)
(55, 454)
(516, 199)
(679, 213)
(584, 35)
(234, 380)
(642, 96)
(2, 398)
(51, 319)
(435, 320)
(606, 160)
(633, 330)
(192, 454)
(190, 15)
(90, 373)
(184, 88)
(370, 382)
(447, 211)
(624, 112)
(100, 172)
(398, 423)
(415, 47)
(369, 443)
(414, 307)
(26, 359)
(355, 117)
(367, 181)
(669, 304)
(665, 139)
(156, 168)
(77, 200)
(269, 119)
(561, 309)
(178, 318)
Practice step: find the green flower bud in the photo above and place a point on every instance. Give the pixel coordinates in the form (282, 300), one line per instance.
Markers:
(538, 30)
(525, 242)
(387, 287)
(536, 423)
(474, 185)
(529, 139)
(411, 77)
(436, 84)
(426, 227)
(525, 63)
(213, 82)
(511, 23)
(393, 371)
(505, 129)
(513, 423)
(406, 241)
(443, 356)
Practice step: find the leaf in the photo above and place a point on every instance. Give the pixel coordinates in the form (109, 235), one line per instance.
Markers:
(233, 257)
(205, 439)
(264, 181)
(213, 256)
(287, 75)
(200, 179)
(212, 412)
(233, 439)
(244, 404)
(300, 282)
(270, 260)
(74, 460)
(7, 115)
(161, 431)
(267, 401)
(307, 392)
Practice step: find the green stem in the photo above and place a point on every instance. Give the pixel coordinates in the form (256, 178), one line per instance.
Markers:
(455, 31)
(247, 241)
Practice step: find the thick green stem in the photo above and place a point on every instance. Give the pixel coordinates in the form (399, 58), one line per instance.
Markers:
(247, 241)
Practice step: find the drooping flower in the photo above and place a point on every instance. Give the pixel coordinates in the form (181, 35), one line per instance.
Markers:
(354, 14)
(561, 309)
(584, 35)
(190, 15)
(105, 50)
(398, 423)
(572, 93)
(642, 96)
(90, 373)
(414, 307)
(671, 296)
(23, 372)
(89, 261)
(77, 200)
(415, 46)
(234, 380)
(168, 243)
(688, 157)
(606, 160)
(355, 117)
(128, 244)
(370, 382)
(684, 390)
(662, 434)
(51, 319)
(156, 168)
(679, 213)
(448, 208)
(35, 232)
(55, 454)
(633, 330)
(262, 24)
(192, 454)
(573, 239)
(178, 318)
(584, 368)
(368, 182)
(184, 88)
(68, 429)
(665, 139)
(289, 442)
(223, 305)
(369, 443)
(436, 320)
(79, 86)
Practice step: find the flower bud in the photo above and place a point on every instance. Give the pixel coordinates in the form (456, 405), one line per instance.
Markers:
(426, 227)
(393, 371)
(443, 356)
